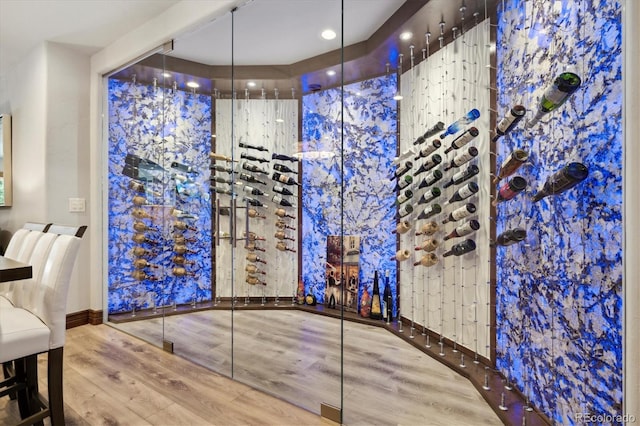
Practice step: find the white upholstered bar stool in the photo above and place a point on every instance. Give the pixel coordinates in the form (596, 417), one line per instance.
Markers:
(38, 326)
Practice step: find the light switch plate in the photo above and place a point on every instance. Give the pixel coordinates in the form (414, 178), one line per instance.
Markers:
(76, 205)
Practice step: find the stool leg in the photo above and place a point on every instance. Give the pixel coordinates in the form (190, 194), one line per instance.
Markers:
(56, 400)
(35, 403)
(23, 394)
(7, 369)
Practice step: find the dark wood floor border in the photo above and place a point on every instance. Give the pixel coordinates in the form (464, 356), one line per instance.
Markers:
(88, 316)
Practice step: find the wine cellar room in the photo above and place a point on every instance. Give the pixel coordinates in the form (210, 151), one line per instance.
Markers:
(322, 209)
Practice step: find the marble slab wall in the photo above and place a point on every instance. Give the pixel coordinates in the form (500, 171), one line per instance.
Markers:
(348, 143)
(164, 126)
(559, 294)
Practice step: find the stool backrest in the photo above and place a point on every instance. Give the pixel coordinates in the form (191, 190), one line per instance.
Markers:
(23, 291)
(49, 300)
(21, 251)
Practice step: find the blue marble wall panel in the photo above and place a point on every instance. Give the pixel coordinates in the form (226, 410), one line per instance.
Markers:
(346, 189)
(163, 126)
(559, 295)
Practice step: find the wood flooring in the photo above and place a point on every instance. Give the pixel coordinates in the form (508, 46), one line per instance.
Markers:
(296, 356)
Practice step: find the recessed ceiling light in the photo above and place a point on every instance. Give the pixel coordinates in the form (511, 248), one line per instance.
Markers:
(166, 75)
(193, 84)
(397, 96)
(331, 73)
(406, 35)
(251, 84)
(328, 34)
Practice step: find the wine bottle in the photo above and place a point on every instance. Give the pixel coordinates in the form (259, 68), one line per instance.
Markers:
(182, 214)
(252, 236)
(225, 211)
(517, 158)
(179, 271)
(430, 179)
(216, 156)
(221, 168)
(182, 249)
(142, 264)
(284, 179)
(281, 201)
(403, 182)
(182, 226)
(430, 195)
(510, 189)
(462, 121)
(142, 276)
(252, 257)
(284, 169)
(404, 210)
(140, 214)
(403, 227)
(465, 229)
(427, 260)
(463, 175)
(253, 269)
(248, 178)
(253, 247)
(140, 251)
(376, 305)
(403, 197)
(181, 260)
(253, 168)
(460, 213)
(257, 148)
(255, 214)
(401, 255)
(281, 190)
(365, 304)
(388, 297)
(429, 164)
(428, 228)
(141, 238)
(254, 202)
(555, 95)
(283, 213)
(429, 149)
(181, 239)
(254, 280)
(282, 236)
(253, 158)
(563, 180)
(283, 157)
(220, 179)
(402, 170)
(142, 227)
(254, 191)
(183, 168)
(280, 245)
(141, 188)
(438, 127)
(430, 211)
(462, 158)
(139, 201)
(280, 224)
(219, 190)
(461, 248)
(507, 124)
(464, 192)
(463, 139)
(512, 236)
(428, 245)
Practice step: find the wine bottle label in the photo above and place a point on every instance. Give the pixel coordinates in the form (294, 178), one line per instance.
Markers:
(404, 182)
(248, 189)
(277, 199)
(407, 166)
(467, 228)
(428, 149)
(405, 210)
(460, 213)
(458, 177)
(460, 159)
(404, 197)
(465, 138)
(466, 191)
(432, 177)
(283, 178)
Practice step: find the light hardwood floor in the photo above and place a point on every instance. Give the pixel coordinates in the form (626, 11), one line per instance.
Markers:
(296, 356)
(111, 378)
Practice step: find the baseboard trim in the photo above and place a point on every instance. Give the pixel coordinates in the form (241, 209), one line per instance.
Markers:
(88, 316)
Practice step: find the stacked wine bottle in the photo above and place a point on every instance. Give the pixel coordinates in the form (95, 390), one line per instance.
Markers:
(145, 236)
